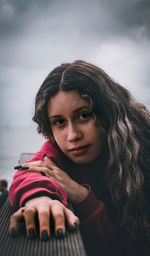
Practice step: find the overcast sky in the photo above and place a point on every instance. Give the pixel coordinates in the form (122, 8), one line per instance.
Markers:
(37, 35)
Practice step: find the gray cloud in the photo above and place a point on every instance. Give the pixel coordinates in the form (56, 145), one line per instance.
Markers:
(89, 16)
(32, 25)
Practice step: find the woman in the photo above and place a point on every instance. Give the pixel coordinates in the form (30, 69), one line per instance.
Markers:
(96, 156)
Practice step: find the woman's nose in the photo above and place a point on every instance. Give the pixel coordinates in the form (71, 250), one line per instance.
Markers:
(74, 133)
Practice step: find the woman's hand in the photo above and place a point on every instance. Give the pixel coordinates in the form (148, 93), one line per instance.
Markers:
(75, 191)
(46, 209)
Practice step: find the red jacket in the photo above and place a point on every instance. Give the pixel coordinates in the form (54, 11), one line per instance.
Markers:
(99, 230)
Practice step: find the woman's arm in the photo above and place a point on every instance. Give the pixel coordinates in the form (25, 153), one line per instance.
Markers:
(89, 209)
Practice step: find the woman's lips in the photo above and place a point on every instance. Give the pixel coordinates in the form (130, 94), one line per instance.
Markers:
(79, 150)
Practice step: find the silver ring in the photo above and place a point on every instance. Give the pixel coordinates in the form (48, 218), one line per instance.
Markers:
(23, 209)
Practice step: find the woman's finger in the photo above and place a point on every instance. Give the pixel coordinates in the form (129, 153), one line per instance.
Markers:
(71, 219)
(29, 217)
(49, 162)
(30, 165)
(57, 211)
(37, 169)
(35, 163)
(14, 222)
(44, 222)
(44, 171)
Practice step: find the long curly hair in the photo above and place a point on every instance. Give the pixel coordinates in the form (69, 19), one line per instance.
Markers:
(127, 126)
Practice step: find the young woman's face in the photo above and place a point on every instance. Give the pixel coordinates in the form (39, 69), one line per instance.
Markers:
(74, 127)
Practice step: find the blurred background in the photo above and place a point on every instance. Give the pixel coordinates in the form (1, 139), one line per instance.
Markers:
(37, 35)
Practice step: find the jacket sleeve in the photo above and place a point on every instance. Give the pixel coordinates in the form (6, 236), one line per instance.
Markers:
(27, 185)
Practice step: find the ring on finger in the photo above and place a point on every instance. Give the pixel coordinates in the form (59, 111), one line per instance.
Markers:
(23, 209)
(48, 167)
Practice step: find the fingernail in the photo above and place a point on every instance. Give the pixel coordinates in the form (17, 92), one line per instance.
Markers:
(24, 167)
(31, 234)
(13, 232)
(75, 226)
(44, 235)
(43, 173)
(44, 155)
(18, 167)
(60, 233)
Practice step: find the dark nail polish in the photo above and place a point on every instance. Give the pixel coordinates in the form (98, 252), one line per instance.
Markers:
(60, 233)
(43, 173)
(44, 235)
(31, 234)
(18, 167)
(44, 155)
(13, 232)
(25, 168)
(75, 226)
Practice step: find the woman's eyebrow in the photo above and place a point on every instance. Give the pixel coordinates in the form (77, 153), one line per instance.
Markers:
(55, 116)
(75, 111)
(78, 109)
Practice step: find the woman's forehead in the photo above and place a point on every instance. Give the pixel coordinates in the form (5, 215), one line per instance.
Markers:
(65, 102)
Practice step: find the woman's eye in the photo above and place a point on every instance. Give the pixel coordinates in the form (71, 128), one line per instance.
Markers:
(59, 122)
(84, 116)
